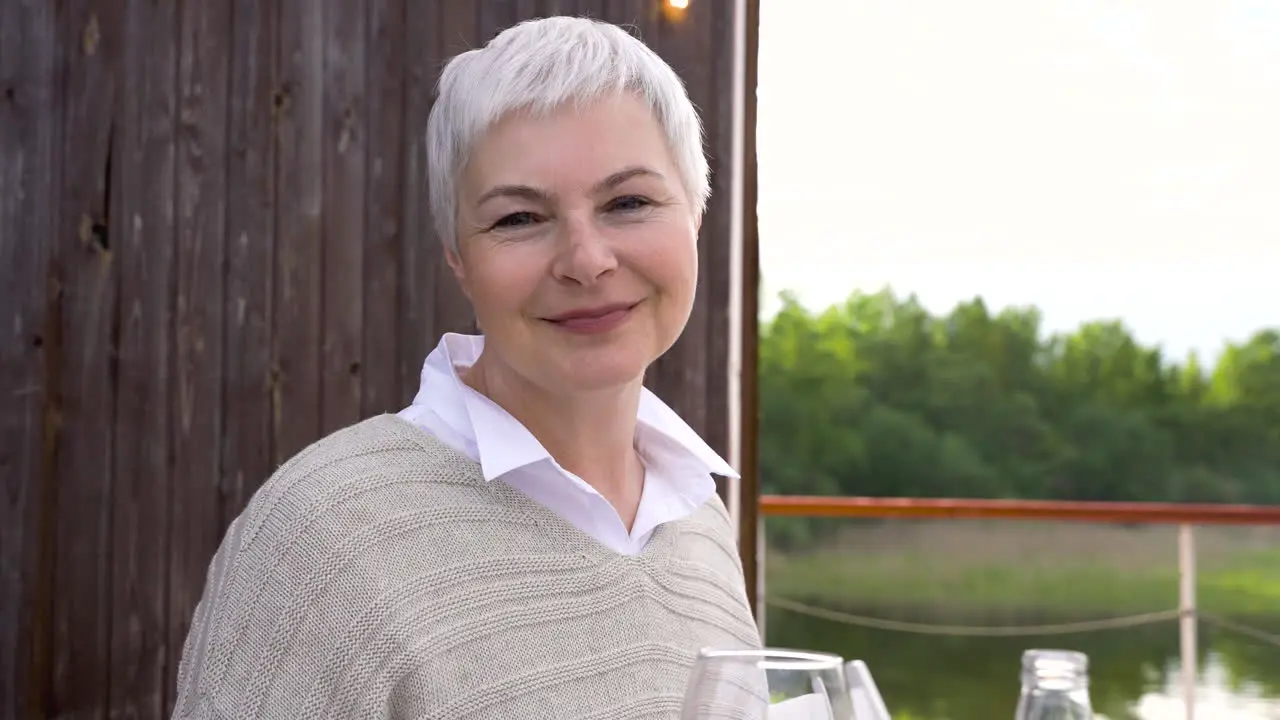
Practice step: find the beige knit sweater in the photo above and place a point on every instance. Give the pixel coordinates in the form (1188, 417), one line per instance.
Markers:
(377, 575)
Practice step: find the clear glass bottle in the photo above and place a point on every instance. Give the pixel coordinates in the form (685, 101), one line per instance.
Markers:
(1055, 686)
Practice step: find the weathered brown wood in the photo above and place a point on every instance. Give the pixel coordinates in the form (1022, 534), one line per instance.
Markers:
(460, 23)
(142, 233)
(383, 230)
(549, 8)
(526, 9)
(216, 246)
(750, 527)
(296, 386)
(630, 14)
(196, 414)
(29, 162)
(495, 16)
(716, 237)
(89, 42)
(419, 247)
(344, 144)
(252, 105)
(680, 376)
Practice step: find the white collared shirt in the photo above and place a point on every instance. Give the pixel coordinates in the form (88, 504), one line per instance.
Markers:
(678, 464)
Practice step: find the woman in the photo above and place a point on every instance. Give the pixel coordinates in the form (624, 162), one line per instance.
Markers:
(536, 535)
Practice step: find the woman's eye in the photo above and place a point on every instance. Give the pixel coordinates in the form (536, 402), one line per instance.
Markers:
(514, 220)
(630, 203)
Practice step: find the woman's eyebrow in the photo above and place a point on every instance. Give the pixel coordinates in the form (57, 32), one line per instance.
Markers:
(528, 192)
(624, 175)
(523, 192)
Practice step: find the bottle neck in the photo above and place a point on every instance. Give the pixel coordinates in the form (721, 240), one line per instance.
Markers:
(1055, 686)
(1055, 683)
(1055, 671)
(1055, 668)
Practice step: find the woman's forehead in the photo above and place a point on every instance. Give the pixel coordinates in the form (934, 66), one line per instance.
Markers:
(618, 140)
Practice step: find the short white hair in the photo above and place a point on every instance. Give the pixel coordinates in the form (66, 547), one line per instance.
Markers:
(538, 66)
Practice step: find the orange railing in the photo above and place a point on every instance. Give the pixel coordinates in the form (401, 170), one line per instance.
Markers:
(1043, 510)
(1185, 516)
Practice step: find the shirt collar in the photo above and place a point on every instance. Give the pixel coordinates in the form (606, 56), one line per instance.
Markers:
(503, 444)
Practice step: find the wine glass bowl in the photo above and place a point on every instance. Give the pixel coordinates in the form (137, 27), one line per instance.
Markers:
(767, 683)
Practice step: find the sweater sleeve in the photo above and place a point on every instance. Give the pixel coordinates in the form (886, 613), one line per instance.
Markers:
(193, 700)
(276, 601)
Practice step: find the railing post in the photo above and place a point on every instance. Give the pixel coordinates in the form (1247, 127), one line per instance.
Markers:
(1187, 624)
(761, 554)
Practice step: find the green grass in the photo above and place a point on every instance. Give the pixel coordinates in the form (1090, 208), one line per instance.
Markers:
(963, 578)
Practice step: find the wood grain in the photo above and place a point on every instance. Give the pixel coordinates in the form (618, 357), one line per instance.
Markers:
(215, 247)
(30, 162)
(143, 237)
(196, 405)
(84, 267)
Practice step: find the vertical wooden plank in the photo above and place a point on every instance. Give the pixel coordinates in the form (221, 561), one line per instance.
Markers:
(142, 231)
(551, 8)
(418, 238)
(296, 406)
(196, 409)
(451, 309)
(344, 142)
(252, 104)
(750, 542)
(494, 17)
(461, 22)
(29, 163)
(89, 42)
(420, 249)
(527, 9)
(716, 241)
(680, 376)
(383, 232)
(630, 14)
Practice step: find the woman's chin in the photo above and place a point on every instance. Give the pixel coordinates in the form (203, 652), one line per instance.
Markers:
(601, 379)
(601, 369)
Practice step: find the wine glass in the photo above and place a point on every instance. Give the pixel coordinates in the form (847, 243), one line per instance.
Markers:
(767, 684)
(868, 704)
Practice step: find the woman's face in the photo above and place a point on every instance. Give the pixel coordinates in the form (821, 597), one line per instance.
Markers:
(577, 244)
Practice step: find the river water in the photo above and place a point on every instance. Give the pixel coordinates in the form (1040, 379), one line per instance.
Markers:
(1134, 673)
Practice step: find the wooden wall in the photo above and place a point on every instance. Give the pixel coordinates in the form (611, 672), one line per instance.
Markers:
(214, 248)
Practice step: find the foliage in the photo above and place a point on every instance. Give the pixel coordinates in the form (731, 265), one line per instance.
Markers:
(878, 397)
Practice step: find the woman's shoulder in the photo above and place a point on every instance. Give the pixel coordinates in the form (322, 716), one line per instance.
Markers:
(375, 463)
(710, 533)
(374, 442)
(310, 553)
(713, 517)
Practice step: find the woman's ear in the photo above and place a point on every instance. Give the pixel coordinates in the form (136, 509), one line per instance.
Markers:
(454, 258)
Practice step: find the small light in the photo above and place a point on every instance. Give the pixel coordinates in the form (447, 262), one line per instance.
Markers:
(674, 10)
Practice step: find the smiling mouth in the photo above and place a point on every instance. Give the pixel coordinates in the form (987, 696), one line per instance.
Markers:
(592, 321)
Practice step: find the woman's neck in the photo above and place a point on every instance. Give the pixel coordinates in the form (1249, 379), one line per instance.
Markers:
(590, 435)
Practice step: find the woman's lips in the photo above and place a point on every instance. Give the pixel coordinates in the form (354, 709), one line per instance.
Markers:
(592, 321)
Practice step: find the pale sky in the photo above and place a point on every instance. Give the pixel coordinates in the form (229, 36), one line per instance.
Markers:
(1096, 158)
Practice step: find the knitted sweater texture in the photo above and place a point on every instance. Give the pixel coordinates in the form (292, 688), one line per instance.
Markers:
(378, 575)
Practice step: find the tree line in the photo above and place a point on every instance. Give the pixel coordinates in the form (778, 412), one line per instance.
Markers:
(879, 397)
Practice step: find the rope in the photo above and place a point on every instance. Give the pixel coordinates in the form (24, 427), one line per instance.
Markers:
(1114, 623)
(1251, 632)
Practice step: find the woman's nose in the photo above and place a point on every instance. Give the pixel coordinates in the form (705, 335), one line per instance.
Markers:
(585, 255)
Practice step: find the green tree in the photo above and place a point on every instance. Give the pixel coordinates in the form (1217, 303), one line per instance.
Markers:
(876, 396)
